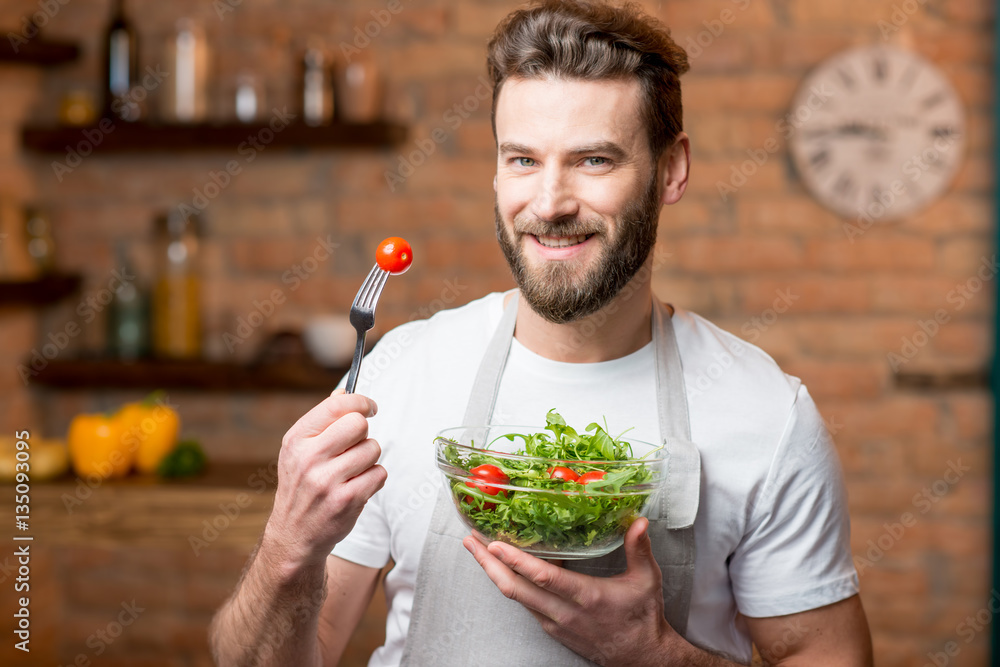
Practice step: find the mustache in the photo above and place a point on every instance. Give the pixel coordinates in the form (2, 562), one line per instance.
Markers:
(561, 227)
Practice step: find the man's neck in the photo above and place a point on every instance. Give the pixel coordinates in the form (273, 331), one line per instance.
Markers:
(620, 328)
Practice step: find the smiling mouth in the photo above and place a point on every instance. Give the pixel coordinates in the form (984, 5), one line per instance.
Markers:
(562, 241)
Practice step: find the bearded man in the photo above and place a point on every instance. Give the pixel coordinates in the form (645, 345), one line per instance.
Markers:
(753, 546)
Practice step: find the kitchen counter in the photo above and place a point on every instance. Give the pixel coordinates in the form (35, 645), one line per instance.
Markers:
(227, 505)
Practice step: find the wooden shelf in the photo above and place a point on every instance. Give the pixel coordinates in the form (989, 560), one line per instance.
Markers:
(46, 289)
(38, 52)
(198, 375)
(943, 380)
(126, 137)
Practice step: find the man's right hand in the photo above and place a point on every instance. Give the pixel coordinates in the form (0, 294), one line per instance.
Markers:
(327, 471)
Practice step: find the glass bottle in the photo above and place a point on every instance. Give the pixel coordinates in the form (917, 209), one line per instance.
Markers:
(128, 315)
(317, 89)
(40, 244)
(177, 289)
(121, 67)
(186, 95)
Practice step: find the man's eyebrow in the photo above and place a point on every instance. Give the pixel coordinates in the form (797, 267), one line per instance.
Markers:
(508, 147)
(609, 148)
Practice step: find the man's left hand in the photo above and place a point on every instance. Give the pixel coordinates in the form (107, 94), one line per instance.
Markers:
(612, 621)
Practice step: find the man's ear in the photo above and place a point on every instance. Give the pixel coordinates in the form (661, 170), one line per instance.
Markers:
(674, 166)
(494, 184)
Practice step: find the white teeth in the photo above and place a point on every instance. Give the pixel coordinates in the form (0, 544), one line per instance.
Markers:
(561, 241)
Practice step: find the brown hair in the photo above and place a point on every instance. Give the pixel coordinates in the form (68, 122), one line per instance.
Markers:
(594, 40)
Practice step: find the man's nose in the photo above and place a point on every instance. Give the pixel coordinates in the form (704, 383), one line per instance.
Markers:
(555, 198)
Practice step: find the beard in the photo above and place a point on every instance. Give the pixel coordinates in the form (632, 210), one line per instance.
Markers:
(553, 290)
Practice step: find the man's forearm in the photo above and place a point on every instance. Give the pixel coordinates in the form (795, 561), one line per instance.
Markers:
(272, 617)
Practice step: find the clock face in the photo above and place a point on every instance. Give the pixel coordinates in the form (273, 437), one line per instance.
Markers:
(876, 133)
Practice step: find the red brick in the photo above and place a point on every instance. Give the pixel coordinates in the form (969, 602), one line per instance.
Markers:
(970, 415)
(841, 379)
(420, 60)
(847, 13)
(972, 11)
(965, 340)
(923, 295)
(686, 18)
(959, 539)
(807, 294)
(973, 85)
(475, 137)
(869, 454)
(794, 215)
(720, 177)
(396, 214)
(884, 252)
(796, 51)
(440, 173)
(976, 174)
(472, 19)
(759, 92)
(724, 254)
(954, 215)
(885, 582)
(858, 337)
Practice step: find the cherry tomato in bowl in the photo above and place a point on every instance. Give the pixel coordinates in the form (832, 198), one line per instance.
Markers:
(487, 473)
(563, 473)
(394, 255)
(592, 476)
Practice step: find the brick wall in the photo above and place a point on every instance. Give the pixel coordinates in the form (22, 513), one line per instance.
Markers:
(856, 302)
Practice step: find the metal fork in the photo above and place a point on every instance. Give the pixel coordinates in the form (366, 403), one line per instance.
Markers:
(363, 317)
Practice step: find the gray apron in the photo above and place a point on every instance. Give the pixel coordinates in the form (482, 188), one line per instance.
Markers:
(459, 617)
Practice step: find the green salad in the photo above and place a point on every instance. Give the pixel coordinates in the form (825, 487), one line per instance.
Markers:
(585, 505)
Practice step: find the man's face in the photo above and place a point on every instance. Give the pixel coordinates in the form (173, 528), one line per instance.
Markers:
(577, 202)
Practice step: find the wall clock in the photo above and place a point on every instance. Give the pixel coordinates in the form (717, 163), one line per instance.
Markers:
(876, 133)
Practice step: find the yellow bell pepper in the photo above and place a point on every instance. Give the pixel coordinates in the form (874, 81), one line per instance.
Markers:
(97, 446)
(150, 431)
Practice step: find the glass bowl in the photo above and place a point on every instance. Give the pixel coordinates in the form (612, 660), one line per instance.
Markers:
(515, 500)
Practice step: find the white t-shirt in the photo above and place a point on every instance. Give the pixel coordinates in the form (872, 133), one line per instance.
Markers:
(772, 531)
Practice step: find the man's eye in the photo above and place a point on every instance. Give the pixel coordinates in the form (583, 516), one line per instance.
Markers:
(524, 162)
(596, 161)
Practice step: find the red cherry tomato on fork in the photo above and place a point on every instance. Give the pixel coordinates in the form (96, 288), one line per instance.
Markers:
(394, 255)
(565, 474)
